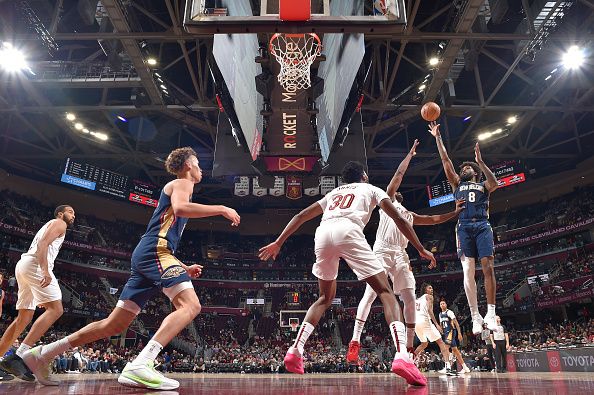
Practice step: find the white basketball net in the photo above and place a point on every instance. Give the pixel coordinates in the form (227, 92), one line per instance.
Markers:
(295, 53)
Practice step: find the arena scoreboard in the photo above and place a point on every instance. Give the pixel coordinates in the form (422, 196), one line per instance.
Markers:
(293, 298)
(119, 186)
(508, 173)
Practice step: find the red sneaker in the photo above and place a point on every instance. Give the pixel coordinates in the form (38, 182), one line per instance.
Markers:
(408, 371)
(353, 353)
(294, 363)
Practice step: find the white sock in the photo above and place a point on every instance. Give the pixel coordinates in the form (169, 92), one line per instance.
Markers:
(410, 336)
(448, 365)
(23, 348)
(398, 332)
(357, 330)
(304, 332)
(491, 310)
(149, 353)
(52, 350)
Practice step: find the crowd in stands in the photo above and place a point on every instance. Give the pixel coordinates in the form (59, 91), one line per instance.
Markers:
(253, 342)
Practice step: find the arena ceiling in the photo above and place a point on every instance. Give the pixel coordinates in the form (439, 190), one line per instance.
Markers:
(494, 63)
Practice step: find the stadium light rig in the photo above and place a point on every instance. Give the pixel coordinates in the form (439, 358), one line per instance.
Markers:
(13, 60)
(574, 57)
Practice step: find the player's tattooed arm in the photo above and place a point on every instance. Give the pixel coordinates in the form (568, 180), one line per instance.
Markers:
(491, 181)
(448, 167)
(399, 175)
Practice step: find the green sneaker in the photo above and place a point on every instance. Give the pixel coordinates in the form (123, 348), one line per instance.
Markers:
(145, 376)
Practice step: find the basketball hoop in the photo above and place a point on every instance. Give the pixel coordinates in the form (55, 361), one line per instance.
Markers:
(295, 54)
(294, 326)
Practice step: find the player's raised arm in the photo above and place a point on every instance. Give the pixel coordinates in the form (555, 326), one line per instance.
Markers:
(407, 230)
(397, 177)
(490, 179)
(182, 207)
(448, 167)
(419, 219)
(272, 249)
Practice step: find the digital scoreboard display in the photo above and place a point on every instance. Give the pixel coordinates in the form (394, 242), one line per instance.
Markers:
(440, 193)
(508, 173)
(88, 176)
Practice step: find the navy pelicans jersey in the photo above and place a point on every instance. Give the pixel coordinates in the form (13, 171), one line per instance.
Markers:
(477, 201)
(164, 228)
(445, 319)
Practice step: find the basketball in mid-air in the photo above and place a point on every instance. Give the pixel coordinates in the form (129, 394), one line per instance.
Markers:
(430, 111)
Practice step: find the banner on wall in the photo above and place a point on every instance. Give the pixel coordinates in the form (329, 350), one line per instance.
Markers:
(257, 190)
(242, 186)
(579, 359)
(327, 183)
(279, 186)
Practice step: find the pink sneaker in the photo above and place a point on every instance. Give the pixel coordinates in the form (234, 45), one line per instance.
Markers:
(408, 371)
(294, 363)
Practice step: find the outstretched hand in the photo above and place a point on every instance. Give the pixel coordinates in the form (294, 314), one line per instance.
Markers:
(428, 256)
(413, 150)
(434, 129)
(194, 271)
(269, 251)
(477, 153)
(232, 216)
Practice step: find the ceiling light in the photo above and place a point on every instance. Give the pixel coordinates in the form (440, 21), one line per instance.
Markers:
(497, 131)
(70, 116)
(548, 77)
(163, 86)
(422, 87)
(11, 59)
(121, 118)
(101, 136)
(467, 118)
(484, 136)
(85, 130)
(78, 126)
(574, 57)
(511, 120)
(433, 61)
(157, 74)
(151, 61)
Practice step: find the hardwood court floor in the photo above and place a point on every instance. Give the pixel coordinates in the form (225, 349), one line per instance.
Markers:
(280, 384)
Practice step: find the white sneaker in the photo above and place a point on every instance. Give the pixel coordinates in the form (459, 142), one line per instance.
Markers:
(145, 376)
(491, 321)
(477, 325)
(38, 366)
(465, 369)
(443, 371)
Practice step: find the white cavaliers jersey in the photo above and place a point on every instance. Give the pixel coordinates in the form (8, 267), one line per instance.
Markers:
(388, 235)
(422, 309)
(52, 249)
(354, 201)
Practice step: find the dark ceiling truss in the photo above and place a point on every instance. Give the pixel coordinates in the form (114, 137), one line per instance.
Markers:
(397, 61)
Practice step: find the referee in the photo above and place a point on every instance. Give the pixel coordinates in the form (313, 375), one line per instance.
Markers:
(500, 340)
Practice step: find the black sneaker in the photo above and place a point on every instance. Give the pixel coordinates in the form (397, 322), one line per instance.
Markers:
(5, 376)
(13, 364)
(452, 372)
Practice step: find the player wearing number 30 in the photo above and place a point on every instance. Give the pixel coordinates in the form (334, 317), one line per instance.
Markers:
(346, 211)
(473, 231)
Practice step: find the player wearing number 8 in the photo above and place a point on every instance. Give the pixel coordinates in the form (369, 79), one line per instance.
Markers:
(474, 235)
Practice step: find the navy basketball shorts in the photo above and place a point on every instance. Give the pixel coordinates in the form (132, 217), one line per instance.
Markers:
(474, 239)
